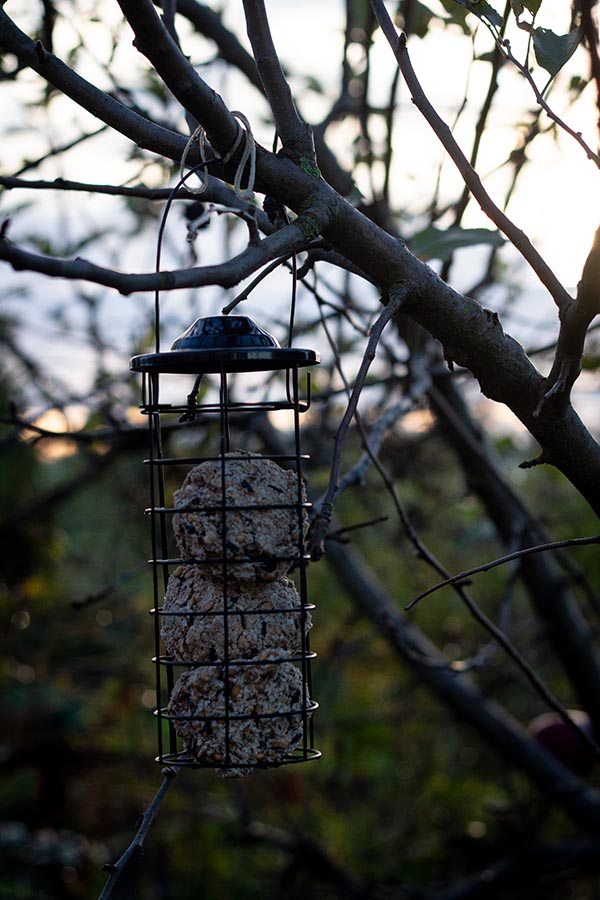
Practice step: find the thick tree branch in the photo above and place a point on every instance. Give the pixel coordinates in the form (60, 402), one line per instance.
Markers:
(208, 23)
(470, 335)
(154, 41)
(294, 134)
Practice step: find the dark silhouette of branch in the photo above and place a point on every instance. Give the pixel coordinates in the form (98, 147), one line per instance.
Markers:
(322, 520)
(136, 846)
(482, 119)
(153, 40)
(524, 70)
(471, 336)
(140, 130)
(589, 29)
(294, 134)
(283, 243)
(462, 577)
(324, 513)
(575, 320)
(564, 626)
(209, 23)
(216, 192)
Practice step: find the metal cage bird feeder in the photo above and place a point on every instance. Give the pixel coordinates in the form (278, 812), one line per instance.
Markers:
(232, 655)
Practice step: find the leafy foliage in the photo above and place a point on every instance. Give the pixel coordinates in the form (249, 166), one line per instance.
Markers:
(552, 51)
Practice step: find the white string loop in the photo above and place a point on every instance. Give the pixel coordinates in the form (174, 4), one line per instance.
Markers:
(248, 156)
(200, 135)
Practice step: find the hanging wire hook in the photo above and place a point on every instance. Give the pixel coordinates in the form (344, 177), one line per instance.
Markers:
(248, 155)
(161, 231)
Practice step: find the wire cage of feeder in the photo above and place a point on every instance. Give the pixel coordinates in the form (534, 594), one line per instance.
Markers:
(231, 614)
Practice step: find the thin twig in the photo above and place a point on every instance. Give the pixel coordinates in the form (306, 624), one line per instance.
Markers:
(56, 151)
(62, 184)
(136, 846)
(505, 47)
(528, 551)
(323, 518)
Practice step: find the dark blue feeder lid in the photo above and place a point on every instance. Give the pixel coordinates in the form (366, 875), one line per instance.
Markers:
(224, 343)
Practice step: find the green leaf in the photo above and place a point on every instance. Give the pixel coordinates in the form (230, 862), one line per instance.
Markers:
(482, 10)
(553, 50)
(437, 243)
(417, 21)
(457, 16)
(519, 7)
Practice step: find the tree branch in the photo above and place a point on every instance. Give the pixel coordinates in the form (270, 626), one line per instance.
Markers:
(322, 519)
(463, 577)
(575, 320)
(137, 844)
(517, 237)
(294, 134)
(470, 335)
(524, 70)
(590, 33)
(215, 192)
(153, 40)
(56, 151)
(283, 243)
(564, 626)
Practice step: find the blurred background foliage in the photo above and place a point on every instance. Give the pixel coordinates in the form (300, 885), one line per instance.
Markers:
(402, 794)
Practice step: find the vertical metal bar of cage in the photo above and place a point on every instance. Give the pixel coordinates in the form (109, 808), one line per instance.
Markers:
(225, 439)
(307, 720)
(150, 401)
(159, 537)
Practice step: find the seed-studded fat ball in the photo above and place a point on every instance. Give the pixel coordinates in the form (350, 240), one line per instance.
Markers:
(268, 697)
(261, 540)
(264, 619)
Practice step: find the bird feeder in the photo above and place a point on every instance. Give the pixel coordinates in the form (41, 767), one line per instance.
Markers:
(228, 524)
